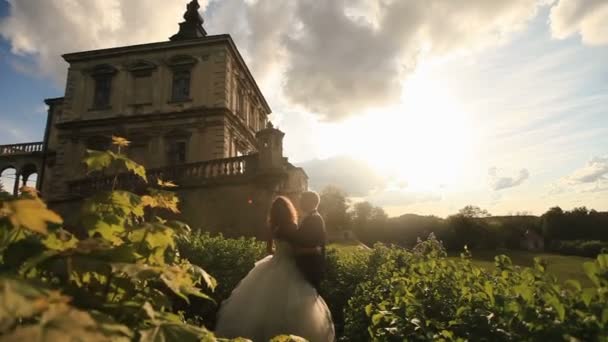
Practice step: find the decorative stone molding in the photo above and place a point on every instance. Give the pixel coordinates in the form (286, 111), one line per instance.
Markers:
(142, 68)
(181, 61)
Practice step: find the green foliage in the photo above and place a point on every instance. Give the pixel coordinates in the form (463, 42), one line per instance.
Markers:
(422, 295)
(345, 270)
(576, 224)
(30, 312)
(229, 260)
(583, 248)
(122, 281)
(473, 211)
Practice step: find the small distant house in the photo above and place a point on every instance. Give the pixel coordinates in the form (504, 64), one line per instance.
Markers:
(532, 241)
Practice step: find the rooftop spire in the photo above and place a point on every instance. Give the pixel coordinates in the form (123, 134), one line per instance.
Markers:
(193, 26)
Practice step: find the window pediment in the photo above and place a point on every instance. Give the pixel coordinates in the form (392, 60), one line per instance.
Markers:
(103, 70)
(178, 134)
(182, 61)
(141, 67)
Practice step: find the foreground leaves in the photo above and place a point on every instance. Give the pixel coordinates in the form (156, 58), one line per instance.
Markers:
(49, 317)
(426, 296)
(31, 214)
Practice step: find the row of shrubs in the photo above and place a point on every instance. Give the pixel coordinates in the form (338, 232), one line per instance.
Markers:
(395, 294)
(584, 248)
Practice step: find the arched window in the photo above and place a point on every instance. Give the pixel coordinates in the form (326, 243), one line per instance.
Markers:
(8, 177)
(32, 180)
(29, 174)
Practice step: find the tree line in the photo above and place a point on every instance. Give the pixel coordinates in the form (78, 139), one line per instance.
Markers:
(560, 230)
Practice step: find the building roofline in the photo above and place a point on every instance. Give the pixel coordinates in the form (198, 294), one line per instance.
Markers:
(208, 40)
(53, 100)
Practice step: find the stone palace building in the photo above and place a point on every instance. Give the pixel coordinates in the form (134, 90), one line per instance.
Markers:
(194, 115)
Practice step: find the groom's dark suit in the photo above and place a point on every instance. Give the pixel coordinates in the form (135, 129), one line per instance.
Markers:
(311, 234)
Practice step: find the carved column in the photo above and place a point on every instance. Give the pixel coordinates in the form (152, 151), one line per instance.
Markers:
(17, 179)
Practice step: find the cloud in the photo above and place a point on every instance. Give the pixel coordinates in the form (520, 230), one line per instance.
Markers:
(334, 58)
(343, 57)
(48, 29)
(355, 177)
(591, 178)
(596, 170)
(584, 17)
(498, 182)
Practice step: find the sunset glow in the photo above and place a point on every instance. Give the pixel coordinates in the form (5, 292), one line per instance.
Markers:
(426, 141)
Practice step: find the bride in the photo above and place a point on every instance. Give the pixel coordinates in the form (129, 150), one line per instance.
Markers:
(275, 298)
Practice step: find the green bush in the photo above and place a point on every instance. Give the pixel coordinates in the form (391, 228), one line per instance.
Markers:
(584, 248)
(228, 260)
(426, 296)
(346, 269)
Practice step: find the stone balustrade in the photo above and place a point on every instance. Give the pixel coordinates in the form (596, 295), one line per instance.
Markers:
(190, 174)
(25, 148)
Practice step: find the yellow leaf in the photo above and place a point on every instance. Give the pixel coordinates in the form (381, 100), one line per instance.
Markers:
(60, 241)
(30, 214)
(148, 201)
(119, 141)
(29, 191)
(166, 184)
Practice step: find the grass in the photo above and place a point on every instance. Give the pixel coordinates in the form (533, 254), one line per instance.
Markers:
(347, 246)
(564, 267)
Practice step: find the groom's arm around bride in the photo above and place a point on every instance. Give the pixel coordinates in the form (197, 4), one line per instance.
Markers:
(309, 240)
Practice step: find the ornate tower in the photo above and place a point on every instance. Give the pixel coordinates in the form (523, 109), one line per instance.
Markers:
(270, 149)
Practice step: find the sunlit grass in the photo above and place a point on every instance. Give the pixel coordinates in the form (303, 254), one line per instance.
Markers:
(563, 267)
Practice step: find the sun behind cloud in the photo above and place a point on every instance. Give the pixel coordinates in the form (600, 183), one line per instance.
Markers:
(427, 140)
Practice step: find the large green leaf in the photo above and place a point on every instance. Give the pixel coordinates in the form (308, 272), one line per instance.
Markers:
(98, 160)
(130, 165)
(180, 280)
(167, 327)
(139, 272)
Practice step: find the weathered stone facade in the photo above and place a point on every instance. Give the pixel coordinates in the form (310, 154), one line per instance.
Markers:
(191, 109)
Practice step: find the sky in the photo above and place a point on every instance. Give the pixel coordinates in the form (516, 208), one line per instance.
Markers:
(416, 106)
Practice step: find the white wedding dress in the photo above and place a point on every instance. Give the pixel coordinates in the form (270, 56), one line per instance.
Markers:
(275, 299)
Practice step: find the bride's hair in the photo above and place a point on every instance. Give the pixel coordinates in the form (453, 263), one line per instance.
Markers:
(282, 212)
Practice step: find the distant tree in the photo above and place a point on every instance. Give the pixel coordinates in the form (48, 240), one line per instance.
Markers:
(473, 211)
(334, 208)
(378, 215)
(361, 215)
(371, 223)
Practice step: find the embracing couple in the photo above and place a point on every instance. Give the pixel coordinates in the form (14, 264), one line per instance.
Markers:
(280, 296)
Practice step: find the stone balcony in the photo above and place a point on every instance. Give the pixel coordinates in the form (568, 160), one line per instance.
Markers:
(21, 149)
(216, 171)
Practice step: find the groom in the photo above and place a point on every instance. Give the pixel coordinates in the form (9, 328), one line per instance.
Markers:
(310, 239)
